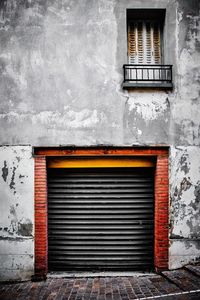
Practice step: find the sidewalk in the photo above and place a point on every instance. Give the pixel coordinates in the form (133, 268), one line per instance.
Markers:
(181, 284)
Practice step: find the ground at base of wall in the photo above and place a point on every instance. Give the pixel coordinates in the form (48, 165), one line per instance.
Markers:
(179, 284)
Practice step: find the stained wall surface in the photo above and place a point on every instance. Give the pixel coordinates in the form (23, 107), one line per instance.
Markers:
(16, 213)
(61, 84)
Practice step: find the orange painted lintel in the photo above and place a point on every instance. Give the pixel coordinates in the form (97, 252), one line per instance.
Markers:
(100, 162)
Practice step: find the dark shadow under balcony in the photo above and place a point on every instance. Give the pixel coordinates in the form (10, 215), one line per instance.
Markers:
(147, 76)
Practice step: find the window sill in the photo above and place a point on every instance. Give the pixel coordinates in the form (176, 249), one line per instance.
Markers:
(130, 85)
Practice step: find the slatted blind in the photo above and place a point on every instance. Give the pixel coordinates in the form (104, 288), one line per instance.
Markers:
(100, 219)
(144, 42)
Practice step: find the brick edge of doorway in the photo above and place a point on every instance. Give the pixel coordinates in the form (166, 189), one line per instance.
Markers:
(161, 241)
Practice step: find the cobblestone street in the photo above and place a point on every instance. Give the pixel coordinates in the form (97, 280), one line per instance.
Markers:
(179, 284)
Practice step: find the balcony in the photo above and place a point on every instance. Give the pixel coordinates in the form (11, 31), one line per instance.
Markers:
(147, 76)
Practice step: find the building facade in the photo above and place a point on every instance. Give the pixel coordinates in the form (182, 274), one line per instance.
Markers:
(104, 88)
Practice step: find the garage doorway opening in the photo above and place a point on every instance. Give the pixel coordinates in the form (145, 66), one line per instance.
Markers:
(116, 213)
(100, 219)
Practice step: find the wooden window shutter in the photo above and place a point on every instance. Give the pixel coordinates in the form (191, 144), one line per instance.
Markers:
(144, 42)
(156, 44)
(132, 43)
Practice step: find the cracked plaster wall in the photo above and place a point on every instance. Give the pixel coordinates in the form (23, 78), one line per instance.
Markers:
(16, 213)
(184, 206)
(60, 84)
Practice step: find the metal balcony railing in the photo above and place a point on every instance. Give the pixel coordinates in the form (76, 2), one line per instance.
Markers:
(147, 76)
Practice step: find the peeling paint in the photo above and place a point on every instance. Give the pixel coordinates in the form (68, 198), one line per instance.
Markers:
(185, 207)
(5, 171)
(197, 192)
(25, 228)
(69, 119)
(16, 212)
(149, 110)
(183, 252)
(11, 239)
(146, 118)
(183, 162)
(12, 182)
(21, 176)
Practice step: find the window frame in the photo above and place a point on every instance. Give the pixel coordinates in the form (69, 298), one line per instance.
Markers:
(148, 15)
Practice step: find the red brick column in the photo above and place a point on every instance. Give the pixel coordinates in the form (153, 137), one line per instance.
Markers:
(41, 236)
(161, 214)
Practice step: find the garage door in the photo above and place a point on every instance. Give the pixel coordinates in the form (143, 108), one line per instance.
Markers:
(100, 219)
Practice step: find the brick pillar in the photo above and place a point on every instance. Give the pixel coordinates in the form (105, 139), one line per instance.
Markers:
(41, 236)
(161, 214)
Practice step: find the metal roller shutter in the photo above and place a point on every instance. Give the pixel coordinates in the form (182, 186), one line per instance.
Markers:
(100, 219)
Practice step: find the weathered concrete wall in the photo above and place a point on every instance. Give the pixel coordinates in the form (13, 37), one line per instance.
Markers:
(61, 74)
(59, 65)
(185, 132)
(186, 105)
(60, 84)
(16, 213)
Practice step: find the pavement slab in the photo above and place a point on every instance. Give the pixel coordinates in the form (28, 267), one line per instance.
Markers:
(184, 279)
(181, 284)
(194, 269)
(164, 286)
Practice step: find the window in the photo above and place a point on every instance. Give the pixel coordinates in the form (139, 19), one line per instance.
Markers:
(145, 66)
